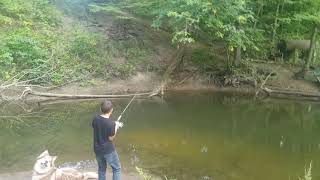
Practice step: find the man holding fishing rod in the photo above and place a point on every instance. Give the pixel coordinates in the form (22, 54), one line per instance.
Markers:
(104, 132)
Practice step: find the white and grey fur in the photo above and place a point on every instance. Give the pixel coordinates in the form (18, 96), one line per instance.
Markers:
(44, 169)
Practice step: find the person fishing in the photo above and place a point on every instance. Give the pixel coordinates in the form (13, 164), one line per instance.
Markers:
(104, 133)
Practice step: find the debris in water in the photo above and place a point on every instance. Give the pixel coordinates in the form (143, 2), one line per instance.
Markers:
(134, 159)
(281, 142)
(205, 178)
(204, 149)
(309, 108)
(132, 147)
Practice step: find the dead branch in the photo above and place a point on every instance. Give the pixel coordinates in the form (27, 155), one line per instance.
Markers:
(263, 83)
(17, 81)
(187, 77)
(176, 60)
(20, 118)
(316, 76)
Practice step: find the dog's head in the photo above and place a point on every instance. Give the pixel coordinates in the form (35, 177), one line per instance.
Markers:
(44, 164)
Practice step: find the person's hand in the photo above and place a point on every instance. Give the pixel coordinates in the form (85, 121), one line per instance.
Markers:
(118, 125)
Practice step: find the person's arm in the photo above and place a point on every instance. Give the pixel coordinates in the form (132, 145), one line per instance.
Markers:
(114, 130)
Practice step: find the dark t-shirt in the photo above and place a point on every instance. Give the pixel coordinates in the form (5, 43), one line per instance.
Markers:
(102, 129)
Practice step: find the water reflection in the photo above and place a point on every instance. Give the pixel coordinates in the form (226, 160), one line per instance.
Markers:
(186, 136)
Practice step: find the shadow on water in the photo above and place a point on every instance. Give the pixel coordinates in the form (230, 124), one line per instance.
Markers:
(185, 136)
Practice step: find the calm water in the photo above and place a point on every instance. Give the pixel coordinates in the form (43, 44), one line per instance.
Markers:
(184, 136)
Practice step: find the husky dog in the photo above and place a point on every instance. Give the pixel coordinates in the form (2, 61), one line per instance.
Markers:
(44, 169)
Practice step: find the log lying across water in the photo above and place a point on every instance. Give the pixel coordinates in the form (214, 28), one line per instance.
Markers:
(290, 94)
(29, 91)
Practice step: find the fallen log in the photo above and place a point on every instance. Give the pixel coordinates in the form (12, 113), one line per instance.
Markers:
(290, 94)
(29, 91)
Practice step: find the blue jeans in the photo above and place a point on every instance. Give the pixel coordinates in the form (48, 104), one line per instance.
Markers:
(113, 160)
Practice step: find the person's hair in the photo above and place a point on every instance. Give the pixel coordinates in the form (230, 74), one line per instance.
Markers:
(106, 106)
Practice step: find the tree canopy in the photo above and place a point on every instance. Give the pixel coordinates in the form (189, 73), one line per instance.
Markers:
(34, 34)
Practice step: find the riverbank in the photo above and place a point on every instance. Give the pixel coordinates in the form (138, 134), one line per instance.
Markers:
(27, 175)
(148, 82)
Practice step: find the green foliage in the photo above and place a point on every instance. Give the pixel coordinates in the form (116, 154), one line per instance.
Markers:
(38, 43)
(203, 59)
(251, 25)
(105, 8)
(25, 35)
(227, 20)
(83, 44)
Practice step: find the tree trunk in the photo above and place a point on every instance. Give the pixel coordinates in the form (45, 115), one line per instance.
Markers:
(296, 56)
(315, 53)
(311, 52)
(237, 56)
(258, 15)
(275, 25)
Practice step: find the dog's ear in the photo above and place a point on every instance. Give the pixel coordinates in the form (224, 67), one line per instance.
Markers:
(45, 153)
(54, 158)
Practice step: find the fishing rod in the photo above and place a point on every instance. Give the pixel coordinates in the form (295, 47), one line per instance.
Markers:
(126, 108)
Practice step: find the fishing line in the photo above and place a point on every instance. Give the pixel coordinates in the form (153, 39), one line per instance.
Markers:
(126, 108)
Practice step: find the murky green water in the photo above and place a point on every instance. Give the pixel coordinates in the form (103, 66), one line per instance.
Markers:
(184, 136)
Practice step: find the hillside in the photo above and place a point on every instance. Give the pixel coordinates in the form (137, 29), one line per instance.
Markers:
(85, 46)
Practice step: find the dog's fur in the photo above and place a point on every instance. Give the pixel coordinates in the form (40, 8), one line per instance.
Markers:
(44, 169)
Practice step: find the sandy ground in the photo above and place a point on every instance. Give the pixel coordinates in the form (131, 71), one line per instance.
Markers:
(27, 176)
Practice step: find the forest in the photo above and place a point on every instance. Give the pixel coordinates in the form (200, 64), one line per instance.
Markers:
(52, 42)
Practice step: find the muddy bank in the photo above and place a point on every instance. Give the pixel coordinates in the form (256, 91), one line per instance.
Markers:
(148, 82)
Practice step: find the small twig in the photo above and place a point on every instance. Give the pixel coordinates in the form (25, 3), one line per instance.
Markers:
(263, 83)
(13, 79)
(186, 78)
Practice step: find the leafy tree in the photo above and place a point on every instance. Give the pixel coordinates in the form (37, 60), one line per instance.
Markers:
(230, 20)
(309, 14)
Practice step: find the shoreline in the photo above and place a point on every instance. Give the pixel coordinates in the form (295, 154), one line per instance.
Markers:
(148, 82)
(27, 175)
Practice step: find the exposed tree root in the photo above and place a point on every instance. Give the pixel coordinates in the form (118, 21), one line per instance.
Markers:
(177, 59)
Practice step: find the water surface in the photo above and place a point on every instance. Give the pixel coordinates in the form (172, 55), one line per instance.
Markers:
(184, 136)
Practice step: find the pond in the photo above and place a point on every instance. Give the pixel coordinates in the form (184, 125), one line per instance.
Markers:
(184, 136)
